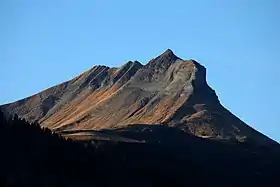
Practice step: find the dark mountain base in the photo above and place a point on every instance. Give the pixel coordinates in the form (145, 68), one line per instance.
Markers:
(31, 156)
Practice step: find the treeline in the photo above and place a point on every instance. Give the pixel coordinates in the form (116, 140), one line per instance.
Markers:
(35, 156)
(32, 156)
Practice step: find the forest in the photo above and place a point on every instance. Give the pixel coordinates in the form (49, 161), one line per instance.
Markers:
(36, 156)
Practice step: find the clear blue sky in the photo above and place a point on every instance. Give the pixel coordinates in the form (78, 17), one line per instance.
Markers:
(43, 43)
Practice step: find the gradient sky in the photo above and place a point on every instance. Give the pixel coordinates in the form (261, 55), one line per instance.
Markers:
(43, 43)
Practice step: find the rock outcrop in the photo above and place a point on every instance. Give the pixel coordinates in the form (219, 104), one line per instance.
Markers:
(167, 90)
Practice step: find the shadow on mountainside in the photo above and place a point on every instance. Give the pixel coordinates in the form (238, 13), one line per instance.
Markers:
(32, 156)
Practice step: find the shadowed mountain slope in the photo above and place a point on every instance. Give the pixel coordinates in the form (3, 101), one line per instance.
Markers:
(35, 156)
(167, 90)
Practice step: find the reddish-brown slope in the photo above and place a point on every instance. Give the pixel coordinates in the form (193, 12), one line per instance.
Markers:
(167, 90)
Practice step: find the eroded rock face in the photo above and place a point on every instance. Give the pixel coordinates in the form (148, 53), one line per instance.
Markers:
(167, 90)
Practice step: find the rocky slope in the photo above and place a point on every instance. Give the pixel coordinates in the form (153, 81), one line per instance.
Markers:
(167, 90)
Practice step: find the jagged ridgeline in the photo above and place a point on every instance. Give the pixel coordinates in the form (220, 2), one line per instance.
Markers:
(167, 90)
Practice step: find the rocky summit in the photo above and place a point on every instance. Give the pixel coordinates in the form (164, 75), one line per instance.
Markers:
(167, 90)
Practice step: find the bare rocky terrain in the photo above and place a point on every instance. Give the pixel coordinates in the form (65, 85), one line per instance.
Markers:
(167, 90)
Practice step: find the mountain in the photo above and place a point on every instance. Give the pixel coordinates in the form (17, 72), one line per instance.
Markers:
(167, 90)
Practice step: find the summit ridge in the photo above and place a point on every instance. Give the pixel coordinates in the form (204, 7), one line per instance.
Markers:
(167, 90)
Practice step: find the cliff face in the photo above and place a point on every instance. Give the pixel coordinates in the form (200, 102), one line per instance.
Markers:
(167, 90)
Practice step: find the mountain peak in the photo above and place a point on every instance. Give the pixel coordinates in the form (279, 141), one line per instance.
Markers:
(167, 90)
(168, 53)
(164, 60)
